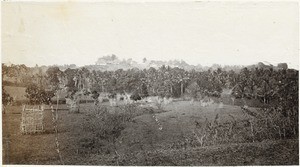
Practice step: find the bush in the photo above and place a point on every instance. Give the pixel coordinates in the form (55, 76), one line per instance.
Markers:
(105, 100)
(135, 96)
(112, 96)
(144, 92)
(95, 96)
(38, 95)
(6, 98)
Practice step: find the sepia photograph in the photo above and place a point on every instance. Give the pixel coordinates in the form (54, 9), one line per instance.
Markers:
(150, 83)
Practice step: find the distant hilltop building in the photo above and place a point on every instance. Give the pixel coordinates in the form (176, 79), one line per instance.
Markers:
(282, 66)
(107, 60)
(264, 66)
(112, 62)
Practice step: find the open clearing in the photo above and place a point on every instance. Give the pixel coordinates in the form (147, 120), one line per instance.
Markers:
(142, 142)
(18, 93)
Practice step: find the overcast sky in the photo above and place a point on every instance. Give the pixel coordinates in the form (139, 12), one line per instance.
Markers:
(197, 32)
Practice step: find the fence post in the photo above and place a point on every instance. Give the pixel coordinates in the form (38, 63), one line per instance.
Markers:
(54, 121)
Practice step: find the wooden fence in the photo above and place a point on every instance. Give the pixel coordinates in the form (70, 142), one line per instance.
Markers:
(32, 120)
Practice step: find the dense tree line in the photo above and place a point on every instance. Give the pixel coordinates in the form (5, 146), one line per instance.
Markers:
(264, 84)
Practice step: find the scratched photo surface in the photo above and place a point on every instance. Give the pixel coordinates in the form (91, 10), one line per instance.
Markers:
(133, 83)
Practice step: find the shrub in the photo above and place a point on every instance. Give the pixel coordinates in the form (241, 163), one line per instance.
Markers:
(144, 91)
(37, 95)
(6, 98)
(112, 95)
(95, 96)
(135, 96)
(105, 100)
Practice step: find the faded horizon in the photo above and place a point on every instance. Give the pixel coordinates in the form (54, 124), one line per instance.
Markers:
(206, 33)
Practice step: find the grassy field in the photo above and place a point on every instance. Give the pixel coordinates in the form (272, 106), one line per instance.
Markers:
(148, 136)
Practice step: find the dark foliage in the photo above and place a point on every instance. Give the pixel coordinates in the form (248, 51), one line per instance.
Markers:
(38, 95)
(135, 96)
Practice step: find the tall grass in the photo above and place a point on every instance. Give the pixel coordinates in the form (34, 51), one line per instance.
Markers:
(267, 124)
